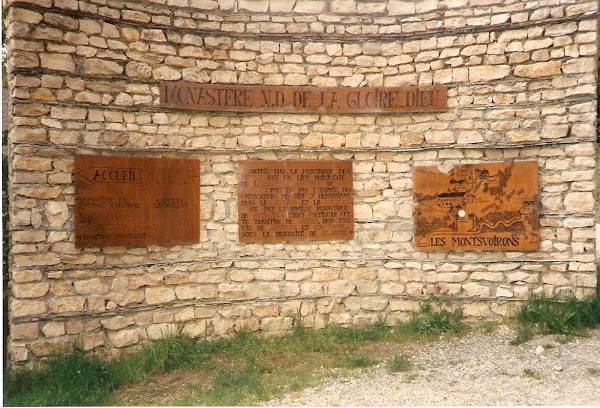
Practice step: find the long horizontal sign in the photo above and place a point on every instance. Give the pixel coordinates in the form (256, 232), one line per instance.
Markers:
(279, 99)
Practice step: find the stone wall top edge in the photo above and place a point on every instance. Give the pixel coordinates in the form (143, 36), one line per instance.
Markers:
(438, 21)
(388, 8)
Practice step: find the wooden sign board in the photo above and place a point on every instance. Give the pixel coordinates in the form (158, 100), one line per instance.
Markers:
(276, 99)
(295, 200)
(125, 201)
(488, 206)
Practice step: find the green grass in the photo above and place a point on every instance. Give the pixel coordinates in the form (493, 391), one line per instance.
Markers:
(242, 370)
(563, 316)
(243, 387)
(531, 374)
(398, 363)
(361, 361)
(67, 379)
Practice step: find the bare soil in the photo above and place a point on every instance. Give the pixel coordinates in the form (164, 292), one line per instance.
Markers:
(478, 368)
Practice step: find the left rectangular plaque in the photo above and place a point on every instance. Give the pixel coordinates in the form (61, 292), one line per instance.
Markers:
(127, 201)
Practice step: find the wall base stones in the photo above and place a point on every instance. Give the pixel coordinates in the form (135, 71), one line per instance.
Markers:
(83, 78)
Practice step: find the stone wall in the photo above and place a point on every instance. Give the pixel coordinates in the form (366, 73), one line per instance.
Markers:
(83, 77)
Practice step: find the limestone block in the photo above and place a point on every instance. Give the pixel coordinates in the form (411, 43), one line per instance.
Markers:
(23, 59)
(475, 310)
(43, 259)
(476, 290)
(155, 295)
(160, 331)
(20, 308)
(153, 35)
(28, 275)
(439, 137)
(579, 202)
(57, 213)
(401, 80)
(29, 236)
(584, 280)
(538, 70)
(67, 304)
(374, 303)
(117, 322)
(26, 331)
(90, 286)
(522, 136)
(17, 352)
(455, 277)
(124, 338)
(195, 329)
(135, 16)
(555, 131)
(92, 340)
(579, 66)
(30, 290)
(43, 348)
(392, 288)
(487, 276)
(58, 112)
(484, 73)
(400, 8)
(468, 137)
(23, 134)
(208, 276)
(140, 70)
(222, 326)
(270, 310)
(269, 324)
(94, 66)
(30, 110)
(53, 329)
(555, 279)
(166, 74)
(261, 290)
(223, 77)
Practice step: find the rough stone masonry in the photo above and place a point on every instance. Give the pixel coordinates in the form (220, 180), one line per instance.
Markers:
(83, 78)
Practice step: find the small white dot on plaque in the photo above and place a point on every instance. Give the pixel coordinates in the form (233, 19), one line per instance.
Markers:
(462, 213)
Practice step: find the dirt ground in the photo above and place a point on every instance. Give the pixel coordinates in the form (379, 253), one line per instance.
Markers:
(476, 369)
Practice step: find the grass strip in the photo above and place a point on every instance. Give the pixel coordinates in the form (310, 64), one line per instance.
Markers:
(567, 316)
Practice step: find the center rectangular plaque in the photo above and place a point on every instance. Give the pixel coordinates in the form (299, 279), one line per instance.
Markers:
(295, 200)
(123, 201)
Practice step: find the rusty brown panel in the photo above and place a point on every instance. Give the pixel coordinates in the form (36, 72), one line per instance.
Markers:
(126, 201)
(277, 99)
(477, 207)
(295, 200)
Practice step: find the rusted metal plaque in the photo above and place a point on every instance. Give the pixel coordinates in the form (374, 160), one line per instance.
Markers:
(258, 98)
(125, 201)
(489, 206)
(295, 200)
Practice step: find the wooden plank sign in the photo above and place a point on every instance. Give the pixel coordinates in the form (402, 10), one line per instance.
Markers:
(277, 99)
(295, 200)
(124, 201)
(487, 206)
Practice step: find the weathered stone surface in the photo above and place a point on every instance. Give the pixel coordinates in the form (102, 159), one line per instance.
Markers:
(26, 331)
(117, 322)
(579, 202)
(67, 304)
(93, 66)
(484, 73)
(30, 290)
(538, 70)
(157, 295)
(21, 308)
(53, 329)
(124, 338)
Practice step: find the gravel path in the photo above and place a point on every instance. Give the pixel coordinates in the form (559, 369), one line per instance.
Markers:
(476, 369)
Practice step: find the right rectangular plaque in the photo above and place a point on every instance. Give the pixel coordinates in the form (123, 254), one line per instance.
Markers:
(487, 206)
(295, 200)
